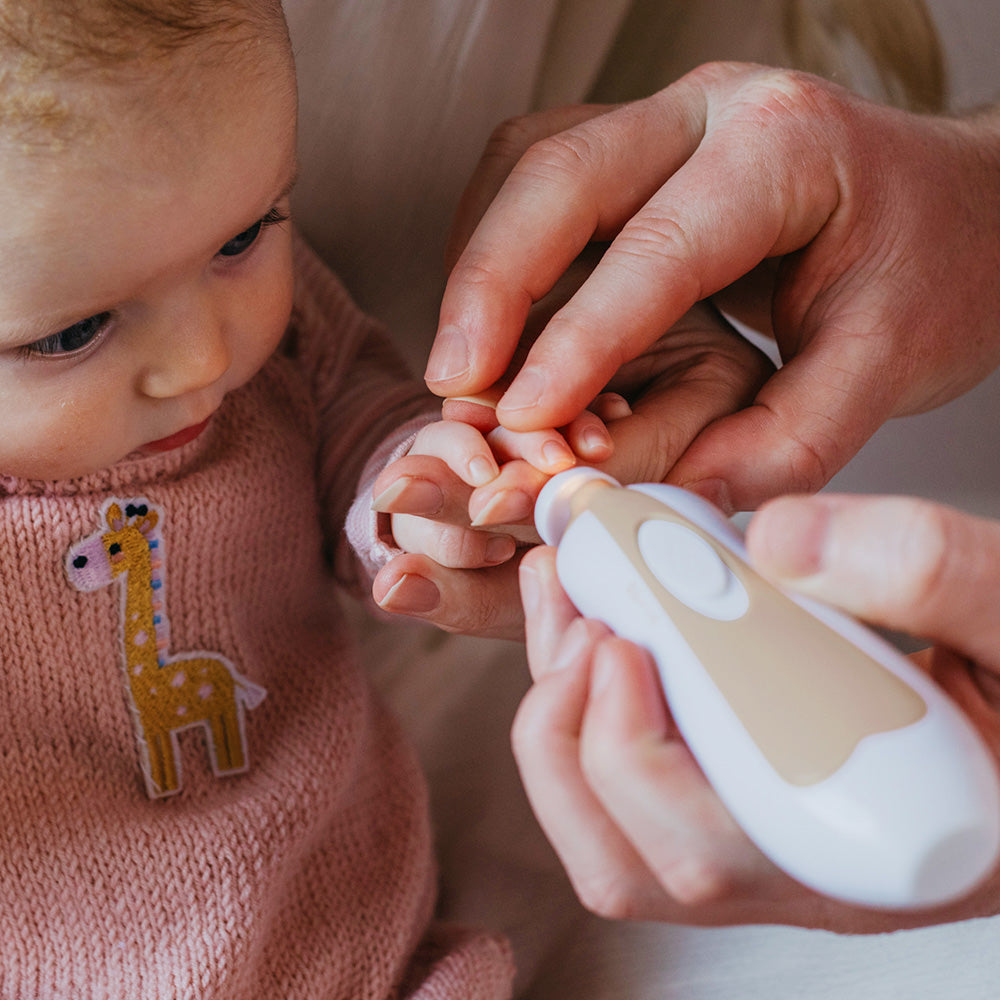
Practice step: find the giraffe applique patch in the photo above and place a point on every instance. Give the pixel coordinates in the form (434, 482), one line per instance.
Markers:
(168, 691)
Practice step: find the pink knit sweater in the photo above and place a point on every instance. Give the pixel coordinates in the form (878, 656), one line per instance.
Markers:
(200, 797)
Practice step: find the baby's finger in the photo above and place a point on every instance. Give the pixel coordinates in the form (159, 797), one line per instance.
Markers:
(461, 447)
(546, 450)
(588, 437)
(425, 486)
(451, 545)
(509, 499)
(471, 602)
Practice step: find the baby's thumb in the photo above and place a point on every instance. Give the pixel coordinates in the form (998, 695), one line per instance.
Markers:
(902, 563)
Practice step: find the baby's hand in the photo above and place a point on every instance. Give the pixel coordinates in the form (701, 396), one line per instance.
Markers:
(509, 498)
(458, 478)
(428, 492)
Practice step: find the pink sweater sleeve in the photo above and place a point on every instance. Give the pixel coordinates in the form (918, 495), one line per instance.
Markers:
(369, 533)
(368, 408)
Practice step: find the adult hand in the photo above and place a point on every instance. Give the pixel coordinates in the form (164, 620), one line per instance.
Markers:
(639, 830)
(696, 372)
(877, 230)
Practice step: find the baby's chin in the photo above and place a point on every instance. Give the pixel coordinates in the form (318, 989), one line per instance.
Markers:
(62, 467)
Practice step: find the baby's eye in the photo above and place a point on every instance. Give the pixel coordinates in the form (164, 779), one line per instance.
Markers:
(73, 338)
(241, 243)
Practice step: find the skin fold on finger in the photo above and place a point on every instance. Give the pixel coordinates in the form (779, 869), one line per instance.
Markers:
(452, 546)
(698, 372)
(806, 422)
(907, 564)
(483, 602)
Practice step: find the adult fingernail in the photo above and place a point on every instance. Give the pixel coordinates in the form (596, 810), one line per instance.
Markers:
(411, 595)
(409, 495)
(449, 358)
(790, 537)
(525, 392)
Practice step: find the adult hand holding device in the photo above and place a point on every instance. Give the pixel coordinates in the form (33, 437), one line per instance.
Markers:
(634, 820)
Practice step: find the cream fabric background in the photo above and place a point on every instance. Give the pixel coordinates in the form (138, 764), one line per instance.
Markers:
(398, 99)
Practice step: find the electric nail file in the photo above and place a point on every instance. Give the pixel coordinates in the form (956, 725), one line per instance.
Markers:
(840, 759)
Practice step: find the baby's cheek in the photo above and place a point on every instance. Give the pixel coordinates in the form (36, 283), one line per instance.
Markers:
(63, 439)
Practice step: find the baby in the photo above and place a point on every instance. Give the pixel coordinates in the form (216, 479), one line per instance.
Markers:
(201, 796)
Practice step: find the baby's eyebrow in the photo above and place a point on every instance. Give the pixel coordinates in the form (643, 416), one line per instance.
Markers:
(289, 184)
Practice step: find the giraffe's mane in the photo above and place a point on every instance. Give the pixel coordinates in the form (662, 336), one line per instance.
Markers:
(151, 533)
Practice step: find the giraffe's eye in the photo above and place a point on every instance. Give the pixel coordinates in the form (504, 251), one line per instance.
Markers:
(114, 548)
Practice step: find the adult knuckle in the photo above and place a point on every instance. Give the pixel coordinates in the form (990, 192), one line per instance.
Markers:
(693, 880)
(602, 893)
(509, 140)
(929, 554)
(658, 241)
(573, 153)
(477, 269)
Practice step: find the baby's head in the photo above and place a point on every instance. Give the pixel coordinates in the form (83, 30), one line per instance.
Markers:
(147, 151)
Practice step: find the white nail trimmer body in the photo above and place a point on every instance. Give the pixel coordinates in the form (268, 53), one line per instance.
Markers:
(846, 765)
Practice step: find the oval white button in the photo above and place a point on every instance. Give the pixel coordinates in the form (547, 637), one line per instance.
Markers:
(691, 570)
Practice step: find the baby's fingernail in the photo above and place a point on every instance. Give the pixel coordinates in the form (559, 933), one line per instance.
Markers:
(507, 507)
(557, 456)
(499, 549)
(611, 406)
(449, 358)
(525, 392)
(409, 495)
(596, 440)
(411, 595)
(482, 470)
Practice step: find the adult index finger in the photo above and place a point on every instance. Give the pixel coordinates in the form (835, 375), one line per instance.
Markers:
(568, 189)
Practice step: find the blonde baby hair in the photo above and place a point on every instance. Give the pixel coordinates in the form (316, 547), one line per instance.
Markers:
(46, 45)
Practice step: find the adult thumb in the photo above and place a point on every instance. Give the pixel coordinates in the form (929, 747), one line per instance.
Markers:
(903, 563)
(806, 422)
